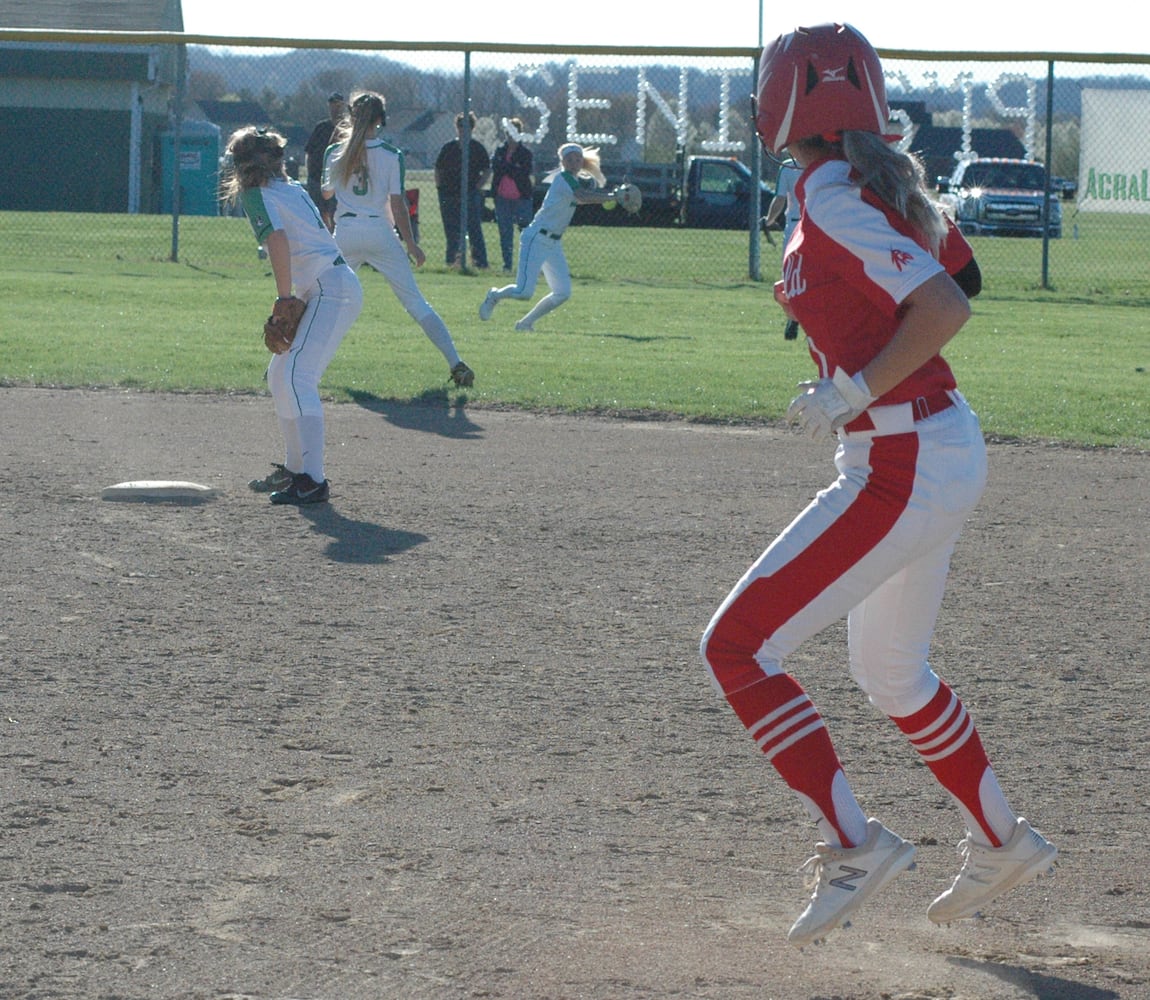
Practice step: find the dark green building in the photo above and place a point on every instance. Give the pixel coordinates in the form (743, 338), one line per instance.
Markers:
(82, 120)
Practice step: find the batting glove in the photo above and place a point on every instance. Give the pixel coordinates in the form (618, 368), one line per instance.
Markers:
(782, 299)
(828, 403)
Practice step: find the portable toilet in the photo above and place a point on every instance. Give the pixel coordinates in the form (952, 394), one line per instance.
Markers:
(199, 168)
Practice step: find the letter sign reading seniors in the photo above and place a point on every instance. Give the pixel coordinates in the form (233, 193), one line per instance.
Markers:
(581, 98)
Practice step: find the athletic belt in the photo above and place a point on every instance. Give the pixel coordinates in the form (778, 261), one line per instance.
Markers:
(900, 418)
(550, 235)
(352, 215)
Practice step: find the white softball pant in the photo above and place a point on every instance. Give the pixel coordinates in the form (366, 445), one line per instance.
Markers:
(373, 240)
(540, 253)
(874, 546)
(333, 303)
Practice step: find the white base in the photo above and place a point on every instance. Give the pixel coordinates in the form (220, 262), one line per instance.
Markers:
(157, 489)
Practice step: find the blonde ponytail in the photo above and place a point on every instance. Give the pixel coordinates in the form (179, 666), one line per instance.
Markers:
(898, 179)
(366, 111)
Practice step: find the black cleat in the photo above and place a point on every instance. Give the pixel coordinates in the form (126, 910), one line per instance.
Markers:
(463, 376)
(278, 479)
(303, 490)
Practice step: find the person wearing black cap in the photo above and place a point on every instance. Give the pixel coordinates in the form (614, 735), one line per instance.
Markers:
(317, 143)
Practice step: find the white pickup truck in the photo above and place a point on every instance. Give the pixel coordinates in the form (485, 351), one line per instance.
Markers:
(1001, 197)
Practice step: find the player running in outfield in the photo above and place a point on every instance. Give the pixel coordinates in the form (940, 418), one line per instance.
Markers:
(366, 176)
(303, 257)
(576, 181)
(863, 277)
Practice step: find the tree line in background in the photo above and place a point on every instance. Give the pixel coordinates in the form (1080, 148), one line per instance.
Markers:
(294, 93)
(292, 89)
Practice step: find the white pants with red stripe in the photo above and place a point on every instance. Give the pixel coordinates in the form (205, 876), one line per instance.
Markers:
(874, 546)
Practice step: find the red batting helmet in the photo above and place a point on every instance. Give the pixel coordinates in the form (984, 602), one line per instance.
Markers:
(819, 81)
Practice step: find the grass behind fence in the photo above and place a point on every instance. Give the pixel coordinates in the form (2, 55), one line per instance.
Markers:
(1048, 364)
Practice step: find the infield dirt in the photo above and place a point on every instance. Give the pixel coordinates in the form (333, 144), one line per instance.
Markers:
(449, 735)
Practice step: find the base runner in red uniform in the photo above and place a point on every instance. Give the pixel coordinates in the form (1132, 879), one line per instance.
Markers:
(879, 282)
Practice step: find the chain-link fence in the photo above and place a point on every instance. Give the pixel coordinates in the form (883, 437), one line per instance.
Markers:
(677, 123)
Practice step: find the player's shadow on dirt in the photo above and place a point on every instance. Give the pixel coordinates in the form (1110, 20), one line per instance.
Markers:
(1035, 984)
(358, 541)
(431, 411)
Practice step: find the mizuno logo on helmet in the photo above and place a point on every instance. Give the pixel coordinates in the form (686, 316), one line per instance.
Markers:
(843, 74)
(832, 74)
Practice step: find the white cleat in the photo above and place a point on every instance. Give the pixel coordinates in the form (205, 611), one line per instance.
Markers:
(988, 872)
(846, 877)
(487, 306)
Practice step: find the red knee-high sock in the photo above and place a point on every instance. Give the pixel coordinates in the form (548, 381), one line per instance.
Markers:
(783, 720)
(946, 739)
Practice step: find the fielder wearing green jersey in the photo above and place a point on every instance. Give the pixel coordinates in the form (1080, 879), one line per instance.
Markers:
(366, 176)
(306, 263)
(577, 181)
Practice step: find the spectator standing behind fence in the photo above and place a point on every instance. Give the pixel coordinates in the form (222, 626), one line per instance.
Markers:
(317, 143)
(448, 181)
(511, 187)
(866, 273)
(785, 200)
(306, 261)
(366, 175)
(573, 182)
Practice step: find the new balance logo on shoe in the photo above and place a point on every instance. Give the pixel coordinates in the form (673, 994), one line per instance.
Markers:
(848, 878)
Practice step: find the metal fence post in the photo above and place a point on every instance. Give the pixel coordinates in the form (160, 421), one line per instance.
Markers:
(177, 123)
(1049, 175)
(755, 251)
(465, 167)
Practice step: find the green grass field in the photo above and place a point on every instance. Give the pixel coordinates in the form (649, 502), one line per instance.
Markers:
(661, 322)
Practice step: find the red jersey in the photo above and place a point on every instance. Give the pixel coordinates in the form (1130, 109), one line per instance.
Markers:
(849, 266)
